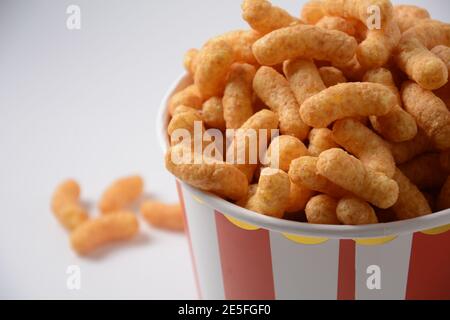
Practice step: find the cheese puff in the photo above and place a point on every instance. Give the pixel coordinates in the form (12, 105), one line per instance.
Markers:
(103, 230)
(184, 120)
(262, 120)
(337, 23)
(347, 100)
(320, 139)
(304, 78)
(184, 109)
(238, 96)
(213, 64)
(303, 171)
(352, 69)
(283, 150)
(415, 59)
(321, 209)
(407, 16)
(405, 151)
(444, 196)
(212, 113)
(66, 205)
(411, 202)
(353, 211)
(190, 60)
(190, 96)
(211, 175)
(298, 198)
(425, 171)
(443, 52)
(313, 12)
(251, 192)
(365, 145)
(263, 17)
(163, 216)
(274, 90)
(430, 112)
(350, 173)
(241, 41)
(272, 195)
(304, 41)
(331, 76)
(121, 193)
(444, 94)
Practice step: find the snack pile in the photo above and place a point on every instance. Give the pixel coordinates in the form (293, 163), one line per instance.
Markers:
(359, 92)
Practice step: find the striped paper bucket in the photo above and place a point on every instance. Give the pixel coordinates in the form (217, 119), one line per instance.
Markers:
(239, 254)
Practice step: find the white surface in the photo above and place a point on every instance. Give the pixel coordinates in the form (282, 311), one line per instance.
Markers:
(82, 104)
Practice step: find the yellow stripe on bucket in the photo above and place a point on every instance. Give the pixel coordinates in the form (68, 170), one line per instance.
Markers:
(198, 200)
(305, 240)
(438, 230)
(241, 224)
(375, 241)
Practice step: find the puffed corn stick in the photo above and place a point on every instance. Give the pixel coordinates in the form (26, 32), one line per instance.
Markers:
(304, 78)
(218, 177)
(425, 171)
(320, 139)
(212, 113)
(301, 41)
(66, 205)
(337, 23)
(331, 76)
(284, 149)
(347, 100)
(349, 173)
(444, 196)
(121, 193)
(430, 112)
(163, 216)
(411, 202)
(397, 125)
(190, 97)
(238, 96)
(365, 145)
(213, 64)
(321, 209)
(262, 16)
(354, 211)
(241, 41)
(407, 150)
(103, 230)
(303, 171)
(443, 52)
(185, 109)
(184, 120)
(272, 195)
(298, 198)
(190, 60)
(408, 15)
(274, 90)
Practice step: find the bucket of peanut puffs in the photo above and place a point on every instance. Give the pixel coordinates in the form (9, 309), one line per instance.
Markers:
(312, 154)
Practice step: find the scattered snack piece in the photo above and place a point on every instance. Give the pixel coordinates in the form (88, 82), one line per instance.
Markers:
(301, 41)
(211, 175)
(321, 209)
(238, 96)
(213, 64)
(304, 78)
(213, 114)
(347, 100)
(444, 196)
(355, 212)
(365, 145)
(349, 173)
(397, 125)
(272, 195)
(331, 76)
(263, 17)
(190, 60)
(66, 205)
(283, 150)
(298, 198)
(411, 202)
(337, 23)
(163, 216)
(405, 151)
(408, 15)
(443, 52)
(303, 171)
(103, 230)
(425, 171)
(120, 194)
(414, 56)
(190, 97)
(321, 139)
(430, 112)
(274, 90)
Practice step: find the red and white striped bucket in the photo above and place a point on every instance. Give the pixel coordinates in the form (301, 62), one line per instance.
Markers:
(239, 254)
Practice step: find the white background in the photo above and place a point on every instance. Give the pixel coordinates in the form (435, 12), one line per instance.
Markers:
(83, 104)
